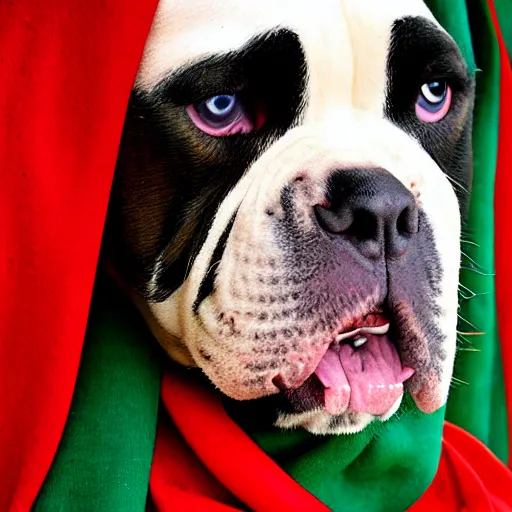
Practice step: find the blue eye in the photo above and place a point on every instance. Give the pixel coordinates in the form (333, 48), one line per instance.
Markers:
(220, 110)
(433, 96)
(221, 105)
(434, 101)
(221, 115)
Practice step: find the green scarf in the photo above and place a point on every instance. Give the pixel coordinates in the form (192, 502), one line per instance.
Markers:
(105, 456)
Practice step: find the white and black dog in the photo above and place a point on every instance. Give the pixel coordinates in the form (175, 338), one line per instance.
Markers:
(287, 206)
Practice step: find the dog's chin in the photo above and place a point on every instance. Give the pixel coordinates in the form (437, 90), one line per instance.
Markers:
(285, 411)
(359, 377)
(320, 422)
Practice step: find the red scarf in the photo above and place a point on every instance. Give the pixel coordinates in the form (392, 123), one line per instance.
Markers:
(218, 471)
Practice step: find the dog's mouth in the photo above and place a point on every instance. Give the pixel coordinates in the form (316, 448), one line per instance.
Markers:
(361, 370)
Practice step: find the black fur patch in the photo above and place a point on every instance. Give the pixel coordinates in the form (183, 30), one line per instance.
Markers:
(420, 53)
(208, 283)
(171, 177)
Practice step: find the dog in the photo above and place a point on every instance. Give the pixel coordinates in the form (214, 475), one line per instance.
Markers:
(288, 200)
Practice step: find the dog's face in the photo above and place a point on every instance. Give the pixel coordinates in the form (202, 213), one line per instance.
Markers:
(288, 198)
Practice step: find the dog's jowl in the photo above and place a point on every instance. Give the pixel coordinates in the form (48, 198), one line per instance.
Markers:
(288, 202)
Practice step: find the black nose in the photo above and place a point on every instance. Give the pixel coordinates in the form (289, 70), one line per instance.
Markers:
(372, 209)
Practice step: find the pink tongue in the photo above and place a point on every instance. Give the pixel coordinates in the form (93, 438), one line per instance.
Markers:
(365, 379)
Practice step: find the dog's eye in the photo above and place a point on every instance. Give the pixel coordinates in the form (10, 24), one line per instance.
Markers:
(221, 115)
(433, 102)
(219, 108)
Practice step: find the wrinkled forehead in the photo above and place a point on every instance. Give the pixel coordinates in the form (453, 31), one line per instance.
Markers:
(339, 37)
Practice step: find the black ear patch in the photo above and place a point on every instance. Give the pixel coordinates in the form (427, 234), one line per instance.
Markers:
(421, 53)
(171, 177)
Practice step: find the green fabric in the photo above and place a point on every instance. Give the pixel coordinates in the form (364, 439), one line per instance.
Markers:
(479, 406)
(104, 458)
(504, 12)
(385, 468)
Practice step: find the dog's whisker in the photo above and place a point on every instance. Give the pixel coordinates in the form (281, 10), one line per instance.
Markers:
(469, 242)
(462, 341)
(469, 258)
(470, 294)
(459, 382)
(463, 286)
(476, 271)
(468, 234)
(467, 322)
(212, 266)
(478, 333)
(457, 184)
(473, 295)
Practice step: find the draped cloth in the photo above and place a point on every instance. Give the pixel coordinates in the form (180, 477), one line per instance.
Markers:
(94, 418)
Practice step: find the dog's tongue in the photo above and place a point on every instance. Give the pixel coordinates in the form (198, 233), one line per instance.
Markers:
(364, 379)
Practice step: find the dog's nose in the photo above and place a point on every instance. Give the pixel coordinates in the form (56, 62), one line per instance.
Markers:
(372, 209)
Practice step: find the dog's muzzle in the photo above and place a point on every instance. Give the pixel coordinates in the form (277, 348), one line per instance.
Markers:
(326, 285)
(378, 217)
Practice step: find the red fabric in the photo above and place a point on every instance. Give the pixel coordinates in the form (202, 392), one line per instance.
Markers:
(226, 458)
(503, 222)
(203, 460)
(66, 68)
(469, 479)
